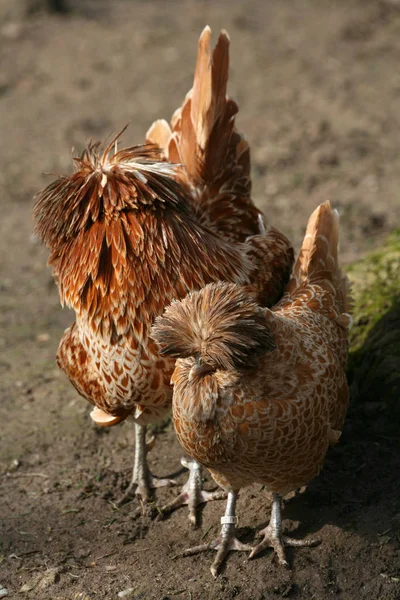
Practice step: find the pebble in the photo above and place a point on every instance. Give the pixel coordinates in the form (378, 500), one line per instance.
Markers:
(126, 593)
(3, 591)
(11, 31)
(43, 337)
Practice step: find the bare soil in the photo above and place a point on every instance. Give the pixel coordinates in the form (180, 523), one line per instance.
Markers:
(318, 83)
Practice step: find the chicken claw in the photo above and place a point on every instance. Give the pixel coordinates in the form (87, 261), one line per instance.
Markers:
(143, 481)
(273, 537)
(227, 539)
(192, 493)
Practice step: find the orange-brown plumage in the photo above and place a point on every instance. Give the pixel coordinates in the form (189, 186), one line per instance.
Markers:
(119, 263)
(125, 241)
(202, 137)
(260, 394)
(129, 232)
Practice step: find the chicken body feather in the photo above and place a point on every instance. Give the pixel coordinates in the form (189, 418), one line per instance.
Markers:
(259, 394)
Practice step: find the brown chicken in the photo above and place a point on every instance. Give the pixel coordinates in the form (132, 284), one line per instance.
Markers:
(129, 232)
(260, 394)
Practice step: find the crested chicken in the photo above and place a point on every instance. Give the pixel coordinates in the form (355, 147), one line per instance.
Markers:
(260, 394)
(131, 230)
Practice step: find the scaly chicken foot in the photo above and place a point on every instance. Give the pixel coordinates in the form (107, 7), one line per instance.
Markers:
(227, 539)
(143, 481)
(273, 537)
(192, 493)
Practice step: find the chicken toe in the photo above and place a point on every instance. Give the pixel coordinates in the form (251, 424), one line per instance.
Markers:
(273, 537)
(192, 493)
(227, 539)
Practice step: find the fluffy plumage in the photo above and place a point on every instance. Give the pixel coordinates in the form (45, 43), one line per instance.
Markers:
(119, 263)
(222, 327)
(282, 369)
(125, 240)
(129, 232)
(276, 395)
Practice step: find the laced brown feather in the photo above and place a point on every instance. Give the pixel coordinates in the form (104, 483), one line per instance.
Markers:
(124, 242)
(129, 232)
(272, 421)
(318, 261)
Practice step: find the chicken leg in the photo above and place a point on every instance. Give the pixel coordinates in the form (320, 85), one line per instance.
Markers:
(273, 537)
(142, 479)
(192, 493)
(227, 539)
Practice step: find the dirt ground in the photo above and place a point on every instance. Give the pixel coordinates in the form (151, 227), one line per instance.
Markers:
(318, 83)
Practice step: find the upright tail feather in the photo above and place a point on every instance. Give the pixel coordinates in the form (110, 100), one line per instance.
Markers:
(204, 140)
(205, 114)
(208, 98)
(319, 254)
(320, 244)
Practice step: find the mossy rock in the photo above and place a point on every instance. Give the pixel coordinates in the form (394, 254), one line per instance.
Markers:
(374, 363)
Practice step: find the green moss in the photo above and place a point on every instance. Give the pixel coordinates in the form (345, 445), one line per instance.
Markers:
(376, 288)
(374, 362)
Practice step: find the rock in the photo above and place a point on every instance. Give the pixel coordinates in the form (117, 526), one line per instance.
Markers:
(42, 337)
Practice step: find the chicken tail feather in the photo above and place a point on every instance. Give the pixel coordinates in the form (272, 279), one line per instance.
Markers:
(202, 127)
(203, 139)
(319, 253)
(221, 325)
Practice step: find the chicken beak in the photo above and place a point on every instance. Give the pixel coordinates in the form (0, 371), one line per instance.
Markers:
(200, 369)
(102, 419)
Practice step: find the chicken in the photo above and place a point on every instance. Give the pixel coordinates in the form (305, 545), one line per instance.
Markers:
(259, 394)
(126, 239)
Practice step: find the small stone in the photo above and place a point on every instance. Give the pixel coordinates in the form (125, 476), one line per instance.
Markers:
(15, 463)
(42, 337)
(3, 591)
(128, 593)
(27, 587)
(50, 577)
(11, 31)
